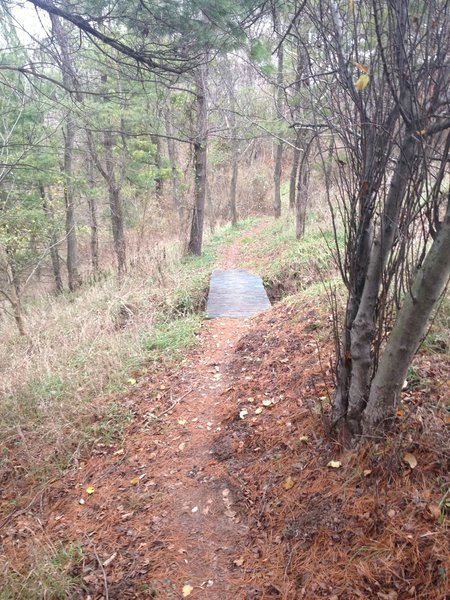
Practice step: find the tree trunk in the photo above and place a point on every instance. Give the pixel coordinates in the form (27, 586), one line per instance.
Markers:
(278, 144)
(301, 200)
(74, 280)
(15, 299)
(200, 149)
(159, 184)
(115, 205)
(408, 332)
(294, 171)
(69, 80)
(234, 145)
(173, 159)
(54, 256)
(92, 206)
(363, 327)
(233, 184)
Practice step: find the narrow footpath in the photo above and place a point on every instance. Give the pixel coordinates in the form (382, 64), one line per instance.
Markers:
(165, 517)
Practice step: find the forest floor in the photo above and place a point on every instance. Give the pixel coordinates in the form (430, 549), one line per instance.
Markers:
(227, 485)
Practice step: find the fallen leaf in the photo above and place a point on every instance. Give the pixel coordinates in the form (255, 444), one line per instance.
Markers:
(435, 510)
(258, 411)
(82, 501)
(132, 381)
(162, 387)
(334, 464)
(410, 459)
(288, 483)
(367, 472)
(243, 413)
(266, 402)
(362, 82)
(118, 452)
(187, 590)
(182, 421)
(90, 490)
(239, 561)
(134, 481)
(361, 68)
(195, 509)
(303, 439)
(182, 446)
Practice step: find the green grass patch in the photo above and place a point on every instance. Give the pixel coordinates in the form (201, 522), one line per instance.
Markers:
(53, 574)
(288, 265)
(172, 338)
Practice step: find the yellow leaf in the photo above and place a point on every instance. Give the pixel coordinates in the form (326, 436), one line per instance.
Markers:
(182, 421)
(132, 381)
(187, 590)
(334, 464)
(303, 439)
(134, 481)
(288, 483)
(162, 387)
(90, 490)
(258, 410)
(361, 68)
(410, 459)
(362, 82)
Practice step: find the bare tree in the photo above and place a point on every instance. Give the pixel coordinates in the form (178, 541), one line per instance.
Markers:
(173, 160)
(387, 105)
(200, 149)
(54, 255)
(70, 82)
(279, 101)
(93, 217)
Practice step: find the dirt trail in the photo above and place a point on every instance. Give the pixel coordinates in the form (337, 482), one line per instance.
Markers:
(165, 512)
(202, 519)
(205, 523)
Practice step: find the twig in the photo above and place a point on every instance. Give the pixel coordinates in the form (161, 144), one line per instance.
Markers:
(172, 405)
(105, 581)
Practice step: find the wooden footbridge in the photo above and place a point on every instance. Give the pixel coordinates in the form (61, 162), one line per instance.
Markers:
(236, 293)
